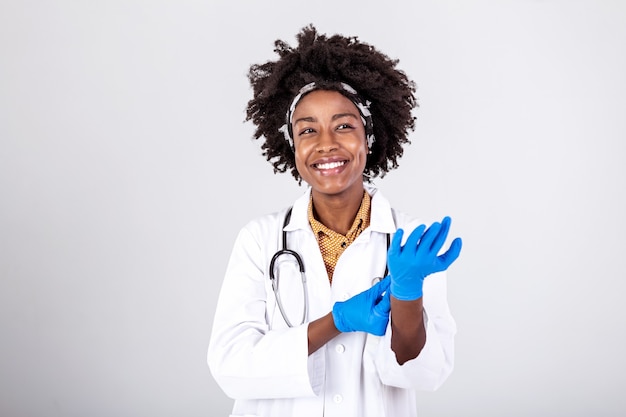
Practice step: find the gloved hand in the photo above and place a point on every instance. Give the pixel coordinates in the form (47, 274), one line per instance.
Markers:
(411, 263)
(365, 312)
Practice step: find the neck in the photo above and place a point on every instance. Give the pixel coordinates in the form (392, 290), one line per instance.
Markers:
(337, 212)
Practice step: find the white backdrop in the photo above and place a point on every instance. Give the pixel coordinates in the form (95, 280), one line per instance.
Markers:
(126, 172)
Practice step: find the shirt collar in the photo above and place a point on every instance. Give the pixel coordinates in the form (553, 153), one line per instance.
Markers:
(361, 220)
(381, 217)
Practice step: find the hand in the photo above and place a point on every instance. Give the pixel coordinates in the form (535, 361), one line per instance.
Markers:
(365, 312)
(411, 263)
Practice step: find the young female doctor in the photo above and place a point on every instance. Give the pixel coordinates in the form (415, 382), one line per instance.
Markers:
(328, 307)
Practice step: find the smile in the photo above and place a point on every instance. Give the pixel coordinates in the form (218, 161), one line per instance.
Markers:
(330, 165)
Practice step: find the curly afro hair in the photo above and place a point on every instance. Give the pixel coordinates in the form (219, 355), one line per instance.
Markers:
(329, 61)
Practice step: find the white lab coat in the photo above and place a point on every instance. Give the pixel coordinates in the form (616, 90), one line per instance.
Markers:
(264, 365)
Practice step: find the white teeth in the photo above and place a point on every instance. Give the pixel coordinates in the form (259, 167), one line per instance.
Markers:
(330, 165)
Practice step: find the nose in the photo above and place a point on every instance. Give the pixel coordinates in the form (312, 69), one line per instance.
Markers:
(326, 142)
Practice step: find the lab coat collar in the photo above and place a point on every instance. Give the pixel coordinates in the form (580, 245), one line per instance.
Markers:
(381, 218)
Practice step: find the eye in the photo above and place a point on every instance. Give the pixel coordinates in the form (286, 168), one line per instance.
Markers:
(306, 131)
(344, 126)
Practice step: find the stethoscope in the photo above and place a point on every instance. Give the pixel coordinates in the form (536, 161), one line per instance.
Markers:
(288, 252)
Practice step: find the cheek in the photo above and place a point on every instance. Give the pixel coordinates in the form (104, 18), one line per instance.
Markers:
(362, 156)
(300, 157)
(360, 149)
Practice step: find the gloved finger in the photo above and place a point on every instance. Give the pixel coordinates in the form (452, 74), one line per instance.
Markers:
(395, 247)
(383, 307)
(385, 282)
(440, 239)
(451, 254)
(415, 237)
(380, 287)
(429, 236)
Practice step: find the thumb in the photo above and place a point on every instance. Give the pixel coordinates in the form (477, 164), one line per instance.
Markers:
(383, 307)
(451, 254)
(396, 243)
(380, 287)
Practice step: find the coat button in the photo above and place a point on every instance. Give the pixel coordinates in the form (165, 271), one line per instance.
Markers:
(337, 399)
(340, 348)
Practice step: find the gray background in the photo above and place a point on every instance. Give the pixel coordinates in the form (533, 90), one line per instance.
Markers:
(126, 171)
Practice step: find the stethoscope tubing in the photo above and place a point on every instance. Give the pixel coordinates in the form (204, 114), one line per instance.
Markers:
(275, 280)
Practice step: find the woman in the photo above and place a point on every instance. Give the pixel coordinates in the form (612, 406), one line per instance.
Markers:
(335, 112)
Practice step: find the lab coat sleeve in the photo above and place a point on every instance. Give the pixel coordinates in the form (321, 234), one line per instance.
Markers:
(429, 370)
(246, 358)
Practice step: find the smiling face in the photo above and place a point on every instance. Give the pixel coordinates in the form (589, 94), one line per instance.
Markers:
(329, 141)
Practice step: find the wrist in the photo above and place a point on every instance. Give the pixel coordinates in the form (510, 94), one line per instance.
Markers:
(405, 294)
(338, 319)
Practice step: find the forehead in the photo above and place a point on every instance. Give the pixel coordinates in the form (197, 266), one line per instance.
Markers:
(324, 101)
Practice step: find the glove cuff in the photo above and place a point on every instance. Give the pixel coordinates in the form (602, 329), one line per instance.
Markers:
(403, 294)
(340, 324)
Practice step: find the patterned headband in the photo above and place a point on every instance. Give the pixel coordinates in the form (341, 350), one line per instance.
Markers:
(362, 106)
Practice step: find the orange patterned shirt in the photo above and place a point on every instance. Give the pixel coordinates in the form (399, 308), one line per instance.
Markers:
(331, 243)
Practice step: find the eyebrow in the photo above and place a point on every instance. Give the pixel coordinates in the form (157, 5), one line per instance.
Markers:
(335, 117)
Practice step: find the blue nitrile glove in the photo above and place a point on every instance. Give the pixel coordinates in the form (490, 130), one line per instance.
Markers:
(411, 263)
(365, 312)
